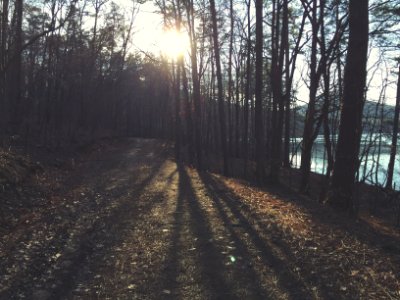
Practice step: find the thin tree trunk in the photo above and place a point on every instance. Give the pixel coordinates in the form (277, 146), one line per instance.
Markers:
(178, 111)
(237, 110)
(188, 112)
(290, 64)
(247, 92)
(3, 76)
(220, 88)
(276, 83)
(230, 81)
(393, 149)
(258, 94)
(196, 86)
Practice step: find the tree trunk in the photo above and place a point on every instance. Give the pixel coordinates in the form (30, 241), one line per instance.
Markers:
(221, 104)
(290, 64)
(307, 143)
(230, 81)
(393, 149)
(188, 112)
(237, 109)
(196, 87)
(14, 69)
(3, 76)
(346, 162)
(276, 84)
(247, 92)
(258, 93)
(178, 111)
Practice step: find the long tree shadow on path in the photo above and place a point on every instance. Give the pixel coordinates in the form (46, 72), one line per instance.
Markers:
(321, 273)
(216, 274)
(205, 261)
(66, 273)
(357, 227)
(113, 223)
(270, 251)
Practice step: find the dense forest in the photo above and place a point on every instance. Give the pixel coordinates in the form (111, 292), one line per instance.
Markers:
(69, 74)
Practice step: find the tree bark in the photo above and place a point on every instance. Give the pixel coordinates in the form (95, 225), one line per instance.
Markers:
(393, 149)
(221, 101)
(258, 94)
(196, 87)
(307, 143)
(277, 101)
(341, 192)
(247, 92)
(230, 81)
(3, 76)
(14, 70)
(178, 111)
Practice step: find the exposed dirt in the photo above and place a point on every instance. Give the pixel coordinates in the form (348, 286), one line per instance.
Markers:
(126, 222)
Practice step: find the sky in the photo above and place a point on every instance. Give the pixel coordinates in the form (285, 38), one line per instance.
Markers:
(148, 29)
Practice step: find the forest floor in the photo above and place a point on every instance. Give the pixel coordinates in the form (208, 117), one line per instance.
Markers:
(124, 221)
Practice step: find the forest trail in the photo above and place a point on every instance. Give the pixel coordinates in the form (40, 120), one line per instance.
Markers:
(130, 223)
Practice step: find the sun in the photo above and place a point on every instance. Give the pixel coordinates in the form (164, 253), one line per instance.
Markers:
(174, 43)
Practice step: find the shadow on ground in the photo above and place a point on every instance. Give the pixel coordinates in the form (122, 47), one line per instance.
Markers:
(136, 225)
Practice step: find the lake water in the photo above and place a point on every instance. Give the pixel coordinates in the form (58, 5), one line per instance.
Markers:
(369, 165)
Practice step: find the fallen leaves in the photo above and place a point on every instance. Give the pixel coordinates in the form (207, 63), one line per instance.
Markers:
(332, 252)
(114, 238)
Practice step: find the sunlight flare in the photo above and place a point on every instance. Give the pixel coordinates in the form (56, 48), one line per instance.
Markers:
(174, 43)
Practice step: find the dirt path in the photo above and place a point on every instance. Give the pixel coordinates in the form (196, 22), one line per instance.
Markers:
(129, 223)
